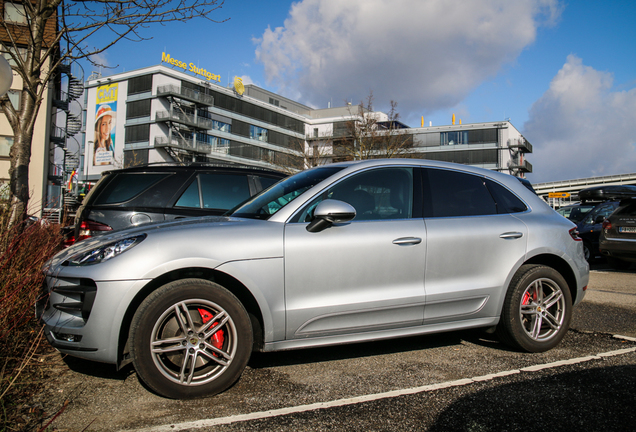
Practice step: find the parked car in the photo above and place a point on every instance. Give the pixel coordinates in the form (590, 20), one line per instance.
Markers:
(591, 225)
(576, 212)
(134, 196)
(617, 240)
(342, 253)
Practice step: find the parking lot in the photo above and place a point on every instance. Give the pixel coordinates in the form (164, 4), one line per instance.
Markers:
(454, 381)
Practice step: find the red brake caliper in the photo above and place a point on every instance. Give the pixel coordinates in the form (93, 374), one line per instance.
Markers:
(218, 337)
(525, 301)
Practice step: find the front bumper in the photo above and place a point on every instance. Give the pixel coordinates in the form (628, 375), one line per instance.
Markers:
(83, 318)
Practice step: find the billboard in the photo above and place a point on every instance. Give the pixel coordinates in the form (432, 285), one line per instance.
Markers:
(103, 152)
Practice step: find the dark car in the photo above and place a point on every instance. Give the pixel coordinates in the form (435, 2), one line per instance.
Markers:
(134, 196)
(617, 240)
(591, 225)
(576, 212)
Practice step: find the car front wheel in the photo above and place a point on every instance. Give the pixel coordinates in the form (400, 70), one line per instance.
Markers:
(537, 309)
(190, 338)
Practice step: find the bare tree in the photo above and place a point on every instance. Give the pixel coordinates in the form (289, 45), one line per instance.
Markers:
(372, 135)
(52, 32)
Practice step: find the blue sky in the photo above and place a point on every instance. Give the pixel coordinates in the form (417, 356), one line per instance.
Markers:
(563, 72)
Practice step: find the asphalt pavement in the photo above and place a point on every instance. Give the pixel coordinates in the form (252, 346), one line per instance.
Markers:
(464, 381)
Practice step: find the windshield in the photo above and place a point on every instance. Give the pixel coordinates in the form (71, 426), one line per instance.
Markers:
(267, 203)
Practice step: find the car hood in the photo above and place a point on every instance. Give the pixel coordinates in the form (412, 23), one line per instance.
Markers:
(196, 242)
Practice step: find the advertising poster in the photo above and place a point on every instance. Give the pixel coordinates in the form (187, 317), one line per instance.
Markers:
(105, 118)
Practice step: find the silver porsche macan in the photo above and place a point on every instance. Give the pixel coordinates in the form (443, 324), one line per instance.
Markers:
(342, 253)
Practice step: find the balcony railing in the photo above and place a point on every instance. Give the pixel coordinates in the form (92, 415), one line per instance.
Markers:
(524, 166)
(189, 119)
(185, 93)
(520, 143)
(184, 144)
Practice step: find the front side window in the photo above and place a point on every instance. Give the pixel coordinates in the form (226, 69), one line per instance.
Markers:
(264, 205)
(377, 194)
(453, 193)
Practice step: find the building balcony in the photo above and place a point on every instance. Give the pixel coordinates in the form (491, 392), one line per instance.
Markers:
(524, 166)
(190, 146)
(183, 118)
(185, 93)
(520, 144)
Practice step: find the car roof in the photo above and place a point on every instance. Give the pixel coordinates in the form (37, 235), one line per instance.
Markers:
(504, 178)
(195, 167)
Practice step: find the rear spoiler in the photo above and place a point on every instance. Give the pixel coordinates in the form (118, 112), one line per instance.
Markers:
(605, 193)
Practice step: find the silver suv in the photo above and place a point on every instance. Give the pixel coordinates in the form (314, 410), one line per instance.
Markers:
(341, 253)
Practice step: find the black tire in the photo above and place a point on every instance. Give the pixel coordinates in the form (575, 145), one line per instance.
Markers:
(537, 309)
(587, 252)
(618, 264)
(215, 336)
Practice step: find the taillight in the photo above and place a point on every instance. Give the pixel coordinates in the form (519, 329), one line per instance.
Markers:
(88, 227)
(574, 233)
(607, 224)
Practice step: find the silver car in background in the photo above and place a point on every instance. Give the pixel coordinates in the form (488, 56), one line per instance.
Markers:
(342, 253)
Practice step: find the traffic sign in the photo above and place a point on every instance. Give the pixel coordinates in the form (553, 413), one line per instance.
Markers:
(558, 195)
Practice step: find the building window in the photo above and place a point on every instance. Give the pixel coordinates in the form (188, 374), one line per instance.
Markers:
(315, 132)
(140, 84)
(22, 52)
(5, 145)
(137, 109)
(274, 102)
(453, 138)
(258, 133)
(14, 13)
(223, 127)
(14, 97)
(137, 133)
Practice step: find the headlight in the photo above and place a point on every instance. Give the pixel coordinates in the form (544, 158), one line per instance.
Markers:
(105, 252)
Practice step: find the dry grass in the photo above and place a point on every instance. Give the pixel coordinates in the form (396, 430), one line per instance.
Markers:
(24, 249)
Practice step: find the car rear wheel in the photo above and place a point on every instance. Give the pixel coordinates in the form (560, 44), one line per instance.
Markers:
(587, 252)
(537, 309)
(190, 338)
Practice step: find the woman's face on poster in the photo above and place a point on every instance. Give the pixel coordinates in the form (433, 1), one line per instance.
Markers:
(105, 126)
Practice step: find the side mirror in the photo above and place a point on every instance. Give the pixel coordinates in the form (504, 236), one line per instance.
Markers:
(599, 219)
(330, 212)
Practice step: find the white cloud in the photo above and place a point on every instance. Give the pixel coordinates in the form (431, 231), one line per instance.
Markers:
(581, 128)
(426, 55)
(101, 59)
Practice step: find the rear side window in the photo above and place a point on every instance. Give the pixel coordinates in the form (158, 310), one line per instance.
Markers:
(215, 191)
(628, 210)
(505, 200)
(127, 186)
(453, 193)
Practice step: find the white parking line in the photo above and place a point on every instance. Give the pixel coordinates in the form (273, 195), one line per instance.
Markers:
(206, 423)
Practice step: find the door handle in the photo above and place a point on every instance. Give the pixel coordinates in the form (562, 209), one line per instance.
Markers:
(406, 241)
(511, 235)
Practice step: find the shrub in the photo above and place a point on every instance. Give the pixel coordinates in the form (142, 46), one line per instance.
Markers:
(24, 248)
